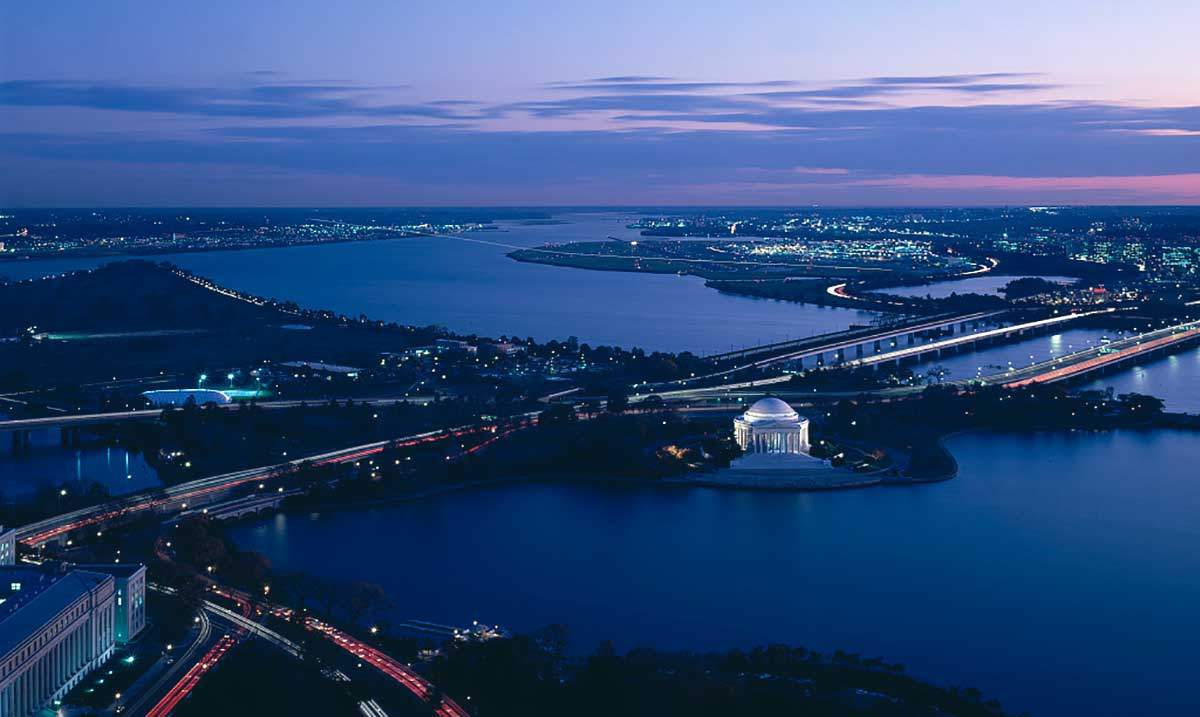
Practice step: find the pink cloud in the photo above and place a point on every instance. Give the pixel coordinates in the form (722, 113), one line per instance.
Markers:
(1155, 187)
(820, 170)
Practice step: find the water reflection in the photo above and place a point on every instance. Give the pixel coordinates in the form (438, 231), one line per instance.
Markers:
(49, 465)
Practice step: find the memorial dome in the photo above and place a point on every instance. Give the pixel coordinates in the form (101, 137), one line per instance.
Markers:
(770, 410)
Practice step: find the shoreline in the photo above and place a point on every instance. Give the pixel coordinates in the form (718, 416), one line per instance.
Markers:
(12, 257)
(1175, 422)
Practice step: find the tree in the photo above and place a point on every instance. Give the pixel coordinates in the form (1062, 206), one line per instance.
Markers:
(1139, 405)
(557, 414)
(365, 599)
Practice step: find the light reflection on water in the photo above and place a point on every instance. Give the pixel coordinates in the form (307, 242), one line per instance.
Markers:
(49, 465)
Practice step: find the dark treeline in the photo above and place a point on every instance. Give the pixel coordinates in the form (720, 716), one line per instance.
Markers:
(196, 441)
(531, 675)
(916, 425)
(609, 446)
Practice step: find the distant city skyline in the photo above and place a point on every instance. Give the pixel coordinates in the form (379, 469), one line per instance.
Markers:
(526, 103)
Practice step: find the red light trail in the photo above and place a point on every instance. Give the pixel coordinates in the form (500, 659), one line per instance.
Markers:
(388, 665)
(191, 678)
(1084, 366)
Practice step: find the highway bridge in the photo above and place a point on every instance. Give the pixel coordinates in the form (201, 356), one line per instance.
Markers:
(835, 348)
(253, 504)
(213, 489)
(70, 424)
(1084, 363)
(849, 338)
(962, 339)
(972, 339)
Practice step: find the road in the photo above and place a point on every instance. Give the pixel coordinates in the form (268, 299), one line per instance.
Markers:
(388, 665)
(399, 672)
(177, 497)
(192, 677)
(171, 676)
(897, 355)
(1093, 359)
(913, 351)
(818, 345)
(72, 420)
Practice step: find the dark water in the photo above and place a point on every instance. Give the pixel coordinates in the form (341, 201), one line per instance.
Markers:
(1058, 572)
(470, 286)
(987, 284)
(1174, 378)
(48, 465)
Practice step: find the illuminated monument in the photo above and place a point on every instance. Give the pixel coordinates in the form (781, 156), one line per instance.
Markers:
(775, 444)
(771, 426)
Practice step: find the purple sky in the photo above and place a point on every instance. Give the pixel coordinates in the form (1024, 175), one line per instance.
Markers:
(411, 103)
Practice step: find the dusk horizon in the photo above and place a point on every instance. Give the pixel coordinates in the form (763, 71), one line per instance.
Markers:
(808, 106)
(646, 358)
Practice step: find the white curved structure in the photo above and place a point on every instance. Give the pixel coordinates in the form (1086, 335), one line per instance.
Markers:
(771, 426)
(180, 396)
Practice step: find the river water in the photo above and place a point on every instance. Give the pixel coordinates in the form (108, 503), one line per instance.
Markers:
(1058, 572)
(987, 284)
(46, 465)
(469, 285)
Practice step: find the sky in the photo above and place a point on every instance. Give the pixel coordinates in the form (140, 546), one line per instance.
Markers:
(419, 103)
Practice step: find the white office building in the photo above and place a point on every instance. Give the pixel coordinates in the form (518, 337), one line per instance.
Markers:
(8, 546)
(55, 628)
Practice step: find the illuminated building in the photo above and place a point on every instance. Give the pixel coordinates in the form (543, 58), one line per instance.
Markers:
(182, 396)
(130, 604)
(775, 442)
(8, 547)
(55, 627)
(771, 426)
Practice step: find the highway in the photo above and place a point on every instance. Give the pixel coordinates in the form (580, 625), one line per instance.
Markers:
(171, 676)
(399, 672)
(177, 497)
(840, 291)
(876, 359)
(815, 346)
(826, 343)
(72, 420)
(192, 677)
(393, 668)
(1094, 359)
(954, 341)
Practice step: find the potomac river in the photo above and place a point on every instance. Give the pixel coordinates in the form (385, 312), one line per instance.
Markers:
(1057, 573)
(469, 285)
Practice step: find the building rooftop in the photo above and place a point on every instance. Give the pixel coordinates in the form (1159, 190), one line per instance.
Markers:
(120, 570)
(319, 366)
(770, 410)
(32, 597)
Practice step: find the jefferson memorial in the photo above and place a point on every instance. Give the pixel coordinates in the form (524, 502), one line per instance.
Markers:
(775, 444)
(771, 426)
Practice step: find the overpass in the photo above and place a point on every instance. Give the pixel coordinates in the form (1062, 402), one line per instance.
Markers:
(848, 338)
(253, 504)
(70, 424)
(1094, 360)
(835, 346)
(914, 351)
(972, 339)
(215, 488)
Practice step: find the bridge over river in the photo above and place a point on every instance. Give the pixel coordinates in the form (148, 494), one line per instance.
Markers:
(1101, 358)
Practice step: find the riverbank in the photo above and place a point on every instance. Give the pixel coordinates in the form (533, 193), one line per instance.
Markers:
(135, 253)
(1066, 515)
